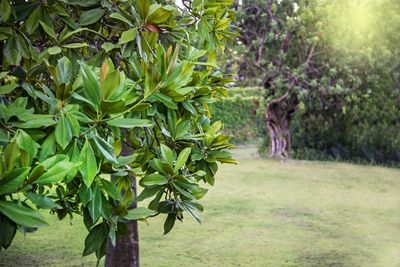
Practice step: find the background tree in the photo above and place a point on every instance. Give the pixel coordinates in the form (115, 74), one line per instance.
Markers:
(311, 56)
(98, 89)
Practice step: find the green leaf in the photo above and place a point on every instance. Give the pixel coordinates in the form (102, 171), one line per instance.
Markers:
(143, 7)
(91, 85)
(48, 147)
(7, 233)
(63, 132)
(85, 3)
(139, 213)
(64, 70)
(167, 154)
(153, 179)
(111, 190)
(28, 145)
(128, 36)
(75, 45)
(36, 121)
(166, 100)
(56, 173)
(11, 181)
(105, 149)
(95, 206)
(182, 158)
(191, 209)
(8, 88)
(169, 223)
(199, 192)
(95, 239)
(11, 155)
(185, 90)
(120, 17)
(48, 29)
(148, 192)
(88, 168)
(91, 16)
(22, 215)
(159, 14)
(5, 10)
(42, 201)
(33, 21)
(54, 50)
(11, 51)
(110, 84)
(107, 46)
(85, 194)
(129, 123)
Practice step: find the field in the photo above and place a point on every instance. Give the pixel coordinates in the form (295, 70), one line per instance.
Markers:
(260, 213)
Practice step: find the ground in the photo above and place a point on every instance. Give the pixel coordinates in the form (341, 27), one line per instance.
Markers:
(260, 213)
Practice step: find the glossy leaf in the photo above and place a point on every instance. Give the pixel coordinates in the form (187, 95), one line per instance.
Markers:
(88, 168)
(139, 213)
(22, 215)
(154, 179)
(129, 123)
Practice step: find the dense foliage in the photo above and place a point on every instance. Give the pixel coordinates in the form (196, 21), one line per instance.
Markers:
(330, 73)
(82, 81)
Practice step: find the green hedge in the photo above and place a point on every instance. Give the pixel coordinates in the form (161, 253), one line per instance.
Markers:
(370, 134)
(241, 113)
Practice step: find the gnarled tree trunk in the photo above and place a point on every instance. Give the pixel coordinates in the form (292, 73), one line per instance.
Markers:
(278, 124)
(126, 251)
(278, 114)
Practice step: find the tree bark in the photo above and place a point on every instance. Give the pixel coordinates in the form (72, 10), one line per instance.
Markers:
(126, 251)
(278, 125)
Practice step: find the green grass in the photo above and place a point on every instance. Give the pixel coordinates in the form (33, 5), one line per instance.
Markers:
(260, 213)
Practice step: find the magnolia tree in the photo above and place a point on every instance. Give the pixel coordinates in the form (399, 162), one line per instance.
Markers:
(96, 94)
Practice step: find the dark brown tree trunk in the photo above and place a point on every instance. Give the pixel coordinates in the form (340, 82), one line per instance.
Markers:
(126, 251)
(278, 125)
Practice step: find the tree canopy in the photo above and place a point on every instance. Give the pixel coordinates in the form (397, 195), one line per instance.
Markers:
(318, 57)
(80, 81)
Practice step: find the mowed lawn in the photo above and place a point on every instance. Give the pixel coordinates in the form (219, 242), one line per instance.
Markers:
(260, 213)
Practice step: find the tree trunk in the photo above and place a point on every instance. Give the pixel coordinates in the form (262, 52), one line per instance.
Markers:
(126, 251)
(278, 125)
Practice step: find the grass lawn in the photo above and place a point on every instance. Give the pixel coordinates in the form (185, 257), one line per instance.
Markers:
(260, 213)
